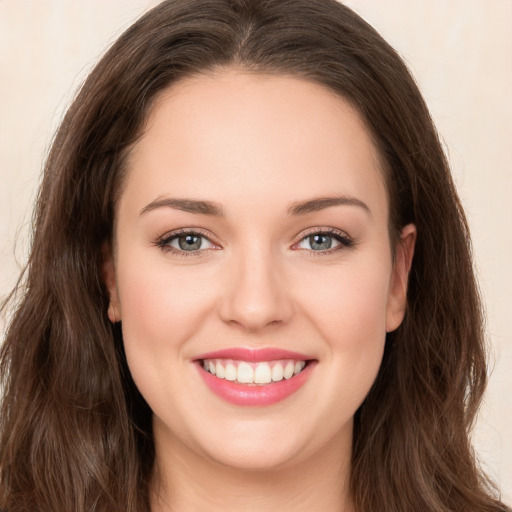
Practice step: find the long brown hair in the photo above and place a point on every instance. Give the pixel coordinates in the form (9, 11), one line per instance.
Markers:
(75, 433)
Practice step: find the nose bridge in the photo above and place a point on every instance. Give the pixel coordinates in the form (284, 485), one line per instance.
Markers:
(255, 295)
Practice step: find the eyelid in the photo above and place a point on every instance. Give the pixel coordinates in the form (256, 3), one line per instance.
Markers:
(346, 241)
(163, 241)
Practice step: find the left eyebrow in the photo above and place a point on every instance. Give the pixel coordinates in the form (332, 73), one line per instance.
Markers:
(186, 205)
(320, 203)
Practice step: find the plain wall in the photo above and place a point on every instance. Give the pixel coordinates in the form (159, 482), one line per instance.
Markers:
(459, 52)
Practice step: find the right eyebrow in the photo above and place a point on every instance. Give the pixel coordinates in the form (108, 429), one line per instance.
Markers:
(186, 205)
(320, 203)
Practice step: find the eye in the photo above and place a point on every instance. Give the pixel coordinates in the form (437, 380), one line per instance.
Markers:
(183, 242)
(325, 241)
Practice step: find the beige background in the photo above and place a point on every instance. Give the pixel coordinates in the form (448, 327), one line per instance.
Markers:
(459, 51)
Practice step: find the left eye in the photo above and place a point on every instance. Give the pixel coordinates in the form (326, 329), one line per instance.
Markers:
(322, 241)
(188, 242)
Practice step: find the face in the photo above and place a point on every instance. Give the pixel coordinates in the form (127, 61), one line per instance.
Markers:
(252, 239)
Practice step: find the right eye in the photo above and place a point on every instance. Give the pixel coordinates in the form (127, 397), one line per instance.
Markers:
(324, 241)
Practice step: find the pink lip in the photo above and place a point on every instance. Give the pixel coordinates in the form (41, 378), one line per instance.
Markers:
(255, 395)
(251, 355)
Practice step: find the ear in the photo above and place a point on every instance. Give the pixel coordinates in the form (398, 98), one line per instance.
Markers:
(397, 292)
(109, 278)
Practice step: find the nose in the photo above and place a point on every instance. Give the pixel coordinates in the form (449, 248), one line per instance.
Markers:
(255, 295)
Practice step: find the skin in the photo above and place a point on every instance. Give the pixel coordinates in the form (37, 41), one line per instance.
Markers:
(255, 145)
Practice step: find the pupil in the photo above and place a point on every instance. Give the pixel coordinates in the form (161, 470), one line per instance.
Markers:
(320, 242)
(189, 242)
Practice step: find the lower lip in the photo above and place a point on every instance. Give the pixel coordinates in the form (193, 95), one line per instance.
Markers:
(256, 395)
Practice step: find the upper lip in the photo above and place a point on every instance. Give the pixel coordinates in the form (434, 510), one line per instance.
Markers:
(254, 355)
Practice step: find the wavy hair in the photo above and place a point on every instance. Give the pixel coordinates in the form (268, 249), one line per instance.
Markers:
(75, 434)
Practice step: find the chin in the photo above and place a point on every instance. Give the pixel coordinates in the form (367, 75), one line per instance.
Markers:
(254, 458)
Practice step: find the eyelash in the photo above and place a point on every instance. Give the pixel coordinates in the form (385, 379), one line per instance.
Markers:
(345, 242)
(164, 242)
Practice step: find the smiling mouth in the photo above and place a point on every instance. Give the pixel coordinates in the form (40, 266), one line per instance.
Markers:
(254, 373)
(254, 378)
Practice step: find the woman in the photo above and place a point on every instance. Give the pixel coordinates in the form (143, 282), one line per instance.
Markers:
(250, 284)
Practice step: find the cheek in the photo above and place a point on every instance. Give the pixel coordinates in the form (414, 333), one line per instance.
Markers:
(349, 314)
(161, 308)
(349, 304)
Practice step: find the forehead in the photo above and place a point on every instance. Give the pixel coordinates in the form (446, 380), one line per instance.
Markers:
(234, 135)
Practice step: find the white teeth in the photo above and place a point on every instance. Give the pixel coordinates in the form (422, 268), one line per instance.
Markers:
(220, 371)
(263, 374)
(230, 372)
(288, 371)
(277, 372)
(298, 367)
(246, 372)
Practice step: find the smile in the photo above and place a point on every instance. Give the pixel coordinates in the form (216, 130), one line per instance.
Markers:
(245, 372)
(254, 377)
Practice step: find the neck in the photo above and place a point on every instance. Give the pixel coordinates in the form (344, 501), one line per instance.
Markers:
(185, 481)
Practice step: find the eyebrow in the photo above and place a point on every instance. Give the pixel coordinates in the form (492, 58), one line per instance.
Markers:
(186, 205)
(320, 203)
(215, 209)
